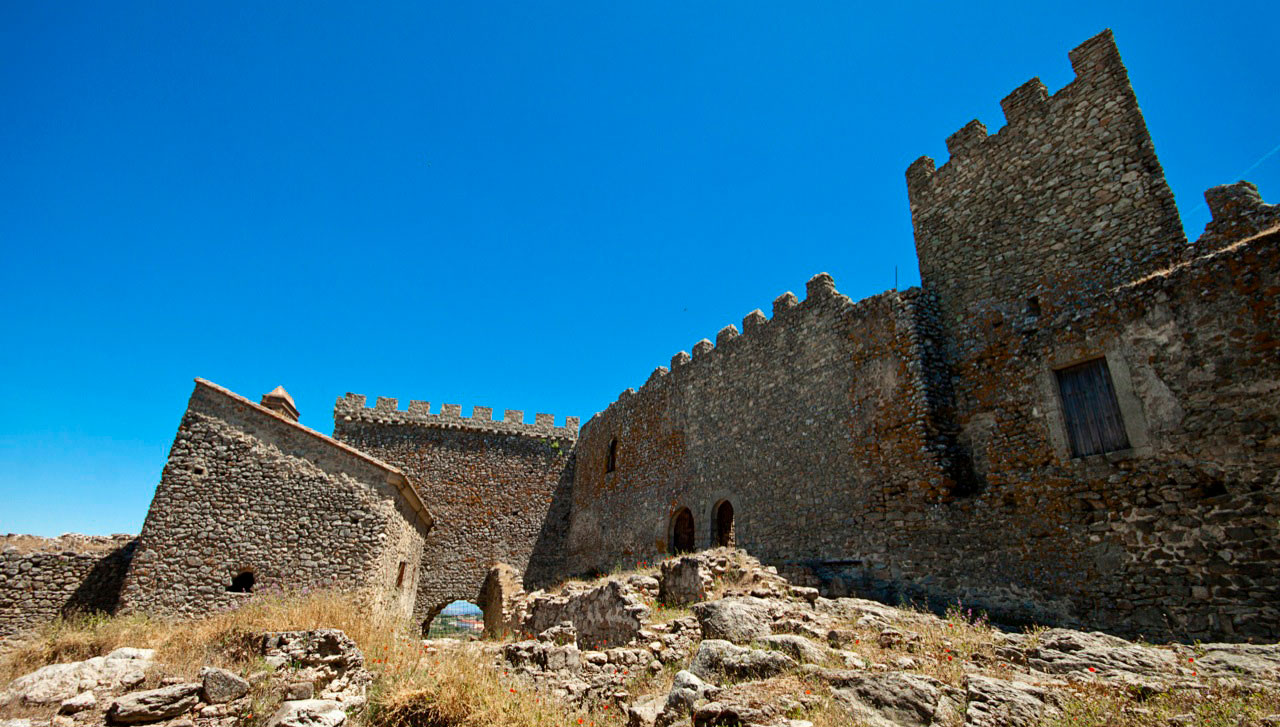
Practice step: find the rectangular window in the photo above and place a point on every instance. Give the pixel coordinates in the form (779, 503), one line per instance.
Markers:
(1089, 406)
(400, 575)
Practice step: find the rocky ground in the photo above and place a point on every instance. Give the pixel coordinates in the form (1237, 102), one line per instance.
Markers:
(707, 639)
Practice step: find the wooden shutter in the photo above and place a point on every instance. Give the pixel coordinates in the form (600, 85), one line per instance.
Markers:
(1090, 408)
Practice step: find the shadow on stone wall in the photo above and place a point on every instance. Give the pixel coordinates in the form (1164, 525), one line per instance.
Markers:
(100, 589)
(547, 562)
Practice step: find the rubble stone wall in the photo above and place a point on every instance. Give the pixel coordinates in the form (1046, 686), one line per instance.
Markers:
(247, 490)
(1174, 537)
(1068, 198)
(811, 424)
(44, 578)
(498, 489)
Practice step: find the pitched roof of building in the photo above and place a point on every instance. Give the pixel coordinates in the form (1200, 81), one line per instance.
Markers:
(399, 479)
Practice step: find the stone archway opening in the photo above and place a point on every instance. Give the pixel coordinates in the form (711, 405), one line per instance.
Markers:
(722, 524)
(456, 620)
(682, 531)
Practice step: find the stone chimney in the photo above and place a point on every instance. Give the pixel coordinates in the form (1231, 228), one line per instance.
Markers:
(280, 401)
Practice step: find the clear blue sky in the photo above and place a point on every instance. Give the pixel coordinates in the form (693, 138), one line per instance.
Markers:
(523, 205)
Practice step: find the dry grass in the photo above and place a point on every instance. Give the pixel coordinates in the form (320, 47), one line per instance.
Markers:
(461, 686)
(184, 646)
(1096, 705)
(948, 648)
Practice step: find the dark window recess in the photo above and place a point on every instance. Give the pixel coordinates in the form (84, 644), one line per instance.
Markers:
(1089, 406)
(612, 463)
(724, 524)
(242, 583)
(682, 532)
(400, 575)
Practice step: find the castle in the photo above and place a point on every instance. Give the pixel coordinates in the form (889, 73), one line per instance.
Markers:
(1075, 420)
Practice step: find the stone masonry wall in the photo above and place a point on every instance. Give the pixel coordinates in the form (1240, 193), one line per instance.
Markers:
(44, 578)
(812, 425)
(1068, 198)
(247, 489)
(1172, 538)
(498, 488)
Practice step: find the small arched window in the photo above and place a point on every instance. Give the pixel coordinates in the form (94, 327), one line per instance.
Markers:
(612, 462)
(242, 583)
(682, 534)
(723, 523)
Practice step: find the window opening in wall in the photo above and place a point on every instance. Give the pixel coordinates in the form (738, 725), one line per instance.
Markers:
(682, 531)
(400, 574)
(723, 523)
(458, 620)
(1033, 306)
(612, 463)
(1090, 408)
(242, 583)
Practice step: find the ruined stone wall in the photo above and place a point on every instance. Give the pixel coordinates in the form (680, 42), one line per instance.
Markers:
(44, 578)
(1067, 199)
(813, 425)
(499, 489)
(1056, 242)
(247, 489)
(1172, 538)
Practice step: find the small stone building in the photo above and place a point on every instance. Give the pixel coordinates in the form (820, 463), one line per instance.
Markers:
(251, 501)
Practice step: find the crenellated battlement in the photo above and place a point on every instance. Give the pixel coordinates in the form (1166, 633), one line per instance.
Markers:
(1066, 199)
(819, 289)
(1097, 65)
(386, 410)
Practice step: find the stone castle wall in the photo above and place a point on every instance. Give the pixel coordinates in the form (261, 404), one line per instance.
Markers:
(812, 425)
(1172, 538)
(1067, 199)
(913, 445)
(42, 579)
(497, 488)
(246, 489)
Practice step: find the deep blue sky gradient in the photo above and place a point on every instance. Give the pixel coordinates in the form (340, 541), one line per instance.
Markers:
(507, 204)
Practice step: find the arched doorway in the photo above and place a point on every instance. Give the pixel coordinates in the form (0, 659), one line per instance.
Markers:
(722, 524)
(682, 531)
(457, 620)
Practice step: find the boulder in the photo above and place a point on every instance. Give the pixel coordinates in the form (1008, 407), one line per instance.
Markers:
(1001, 703)
(1254, 661)
(644, 713)
(686, 691)
(220, 685)
(797, 647)
(739, 620)
(78, 703)
(1061, 651)
(154, 705)
(896, 699)
(308, 713)
(121, 669)
(717, 658)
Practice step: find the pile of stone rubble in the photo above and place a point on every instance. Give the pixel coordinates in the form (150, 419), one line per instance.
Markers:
(320, 673)
(711, 639)
(753, 649)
